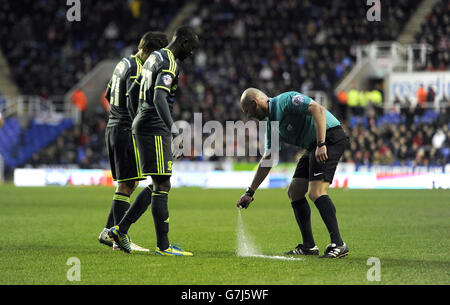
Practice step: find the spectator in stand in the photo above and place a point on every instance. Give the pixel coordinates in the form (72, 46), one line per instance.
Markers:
(443, 117)
(421, 100)
(421, 95)
(430, 94)
(438, 139)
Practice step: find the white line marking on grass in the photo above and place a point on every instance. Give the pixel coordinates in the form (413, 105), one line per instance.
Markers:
(285, 258)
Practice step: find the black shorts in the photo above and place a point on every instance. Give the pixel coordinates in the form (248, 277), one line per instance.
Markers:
(308, 168)
(155, 152)
(123, 155)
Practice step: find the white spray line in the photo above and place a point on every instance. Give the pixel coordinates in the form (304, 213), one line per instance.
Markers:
(285, 258)
(246, 246)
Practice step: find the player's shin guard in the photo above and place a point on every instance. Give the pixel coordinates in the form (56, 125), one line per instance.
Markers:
(139, 206)
(302, 213)
(120, 205)
(327, 211)
(160, 213)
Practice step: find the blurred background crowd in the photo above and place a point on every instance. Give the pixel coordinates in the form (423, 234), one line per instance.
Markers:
(277, 46)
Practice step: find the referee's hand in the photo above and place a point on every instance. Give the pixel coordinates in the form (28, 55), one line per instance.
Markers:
(321, 154)
(244, 201)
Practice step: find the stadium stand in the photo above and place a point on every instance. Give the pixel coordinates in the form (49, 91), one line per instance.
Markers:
(44, 43)
(436, 32)
(17, 145)
(310, 49)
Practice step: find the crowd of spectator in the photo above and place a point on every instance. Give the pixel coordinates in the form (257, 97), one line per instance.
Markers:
(279, 46)
(405, 135)
(276, 46)
(436, 32)
(48, 54)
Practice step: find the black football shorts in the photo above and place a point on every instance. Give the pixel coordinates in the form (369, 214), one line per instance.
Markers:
(155, 152)
(122, 153)
(308, 168)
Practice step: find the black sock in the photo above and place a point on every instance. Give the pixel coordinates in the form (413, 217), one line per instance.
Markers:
(139, 206)
(327, 211)
(120, 205)
(110, 220)
(302, 213)
(160, 213)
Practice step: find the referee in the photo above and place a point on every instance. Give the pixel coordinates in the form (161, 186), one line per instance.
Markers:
(303, 123)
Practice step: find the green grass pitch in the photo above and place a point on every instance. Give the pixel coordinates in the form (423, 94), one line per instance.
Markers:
(41, 228)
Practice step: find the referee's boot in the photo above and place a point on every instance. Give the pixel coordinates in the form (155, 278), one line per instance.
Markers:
(335, 251)
(302, 250)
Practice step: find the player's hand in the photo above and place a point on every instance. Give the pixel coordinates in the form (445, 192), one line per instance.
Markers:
(244, 201)
(178, 151)
(321, 154)
(177, 148)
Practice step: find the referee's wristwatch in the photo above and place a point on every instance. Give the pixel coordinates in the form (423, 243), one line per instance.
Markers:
(249, 192)
(320, 144)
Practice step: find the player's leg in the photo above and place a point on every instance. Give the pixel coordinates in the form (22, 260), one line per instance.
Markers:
(125, 167)
(121, 199)
(160, 210)
(139, 206)
(161, 170)
(110, 135)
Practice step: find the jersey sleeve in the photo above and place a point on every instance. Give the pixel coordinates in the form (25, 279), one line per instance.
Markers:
(108, 91)
(297, 104)
(166, 74)
(164, 80)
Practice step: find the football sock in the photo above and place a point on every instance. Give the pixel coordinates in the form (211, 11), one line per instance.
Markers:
(327, 211)
(139, 206)
(302, 213)
(160, 213)
(110, 220)
(119, 206)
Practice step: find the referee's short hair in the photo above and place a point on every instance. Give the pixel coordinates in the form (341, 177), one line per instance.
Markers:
(152, 41)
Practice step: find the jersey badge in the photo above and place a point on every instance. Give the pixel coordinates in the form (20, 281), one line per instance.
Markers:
(298, 99)
(167, 79)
